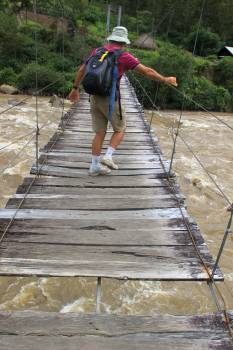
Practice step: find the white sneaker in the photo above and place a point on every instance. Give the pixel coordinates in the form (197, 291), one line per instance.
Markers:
(98, 170)
(107, 160)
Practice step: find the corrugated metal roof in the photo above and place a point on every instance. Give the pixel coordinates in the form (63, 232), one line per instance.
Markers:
(229, 48)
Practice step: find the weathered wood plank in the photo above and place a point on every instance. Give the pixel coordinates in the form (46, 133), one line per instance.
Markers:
(165, 213)
(131, 342)
(96, 190)
(85, 164)
(73, 148)
(71, 324)
(122, 159)
(86, 150)
(100, 181)
(76, 173)
(128, 137)
(73, 126)
(94, 203)
(133, 262)
(102, 224)
(101, 235)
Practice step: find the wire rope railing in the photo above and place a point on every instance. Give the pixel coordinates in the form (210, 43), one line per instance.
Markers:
(214, 288)
(215, 291)
(16, 140)
(17, 154)
(38, 128)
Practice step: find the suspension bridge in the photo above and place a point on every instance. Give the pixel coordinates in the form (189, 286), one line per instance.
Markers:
(129, 225)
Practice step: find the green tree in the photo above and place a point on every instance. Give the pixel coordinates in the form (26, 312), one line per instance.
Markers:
(208, 42)
(11, 41)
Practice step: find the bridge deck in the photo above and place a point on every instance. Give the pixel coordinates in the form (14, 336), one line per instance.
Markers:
(41, 330)
(125, 225)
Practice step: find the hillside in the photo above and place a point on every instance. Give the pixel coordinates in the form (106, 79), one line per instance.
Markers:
(202, 77)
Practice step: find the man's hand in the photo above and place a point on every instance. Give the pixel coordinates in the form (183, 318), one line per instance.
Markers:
(170, 81)
(74, 95)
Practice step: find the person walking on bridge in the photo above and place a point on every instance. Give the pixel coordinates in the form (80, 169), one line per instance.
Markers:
(100, 104)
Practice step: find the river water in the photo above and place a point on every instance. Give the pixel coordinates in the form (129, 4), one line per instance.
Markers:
(213, 143)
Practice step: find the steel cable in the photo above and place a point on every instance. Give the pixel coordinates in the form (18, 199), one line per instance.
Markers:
(16, 140)
(69, 114)
(17, 155)
(189, 230)
(202, 107)
(204, 168)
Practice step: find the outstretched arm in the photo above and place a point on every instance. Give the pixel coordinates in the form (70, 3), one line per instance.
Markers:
(154, 75)
(74, 94)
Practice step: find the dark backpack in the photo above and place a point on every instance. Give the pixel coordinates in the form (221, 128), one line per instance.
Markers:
(98, 78)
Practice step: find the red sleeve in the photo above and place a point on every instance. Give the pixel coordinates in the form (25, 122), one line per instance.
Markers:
(128, 60)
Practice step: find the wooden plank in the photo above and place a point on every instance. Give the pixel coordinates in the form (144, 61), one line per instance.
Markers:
(79, 324)
(96, 190)
(154, 263)
(85, 164)
(130, 342)
(74, 127)
(110, 232)
(123, 149)
(99, 193)
(139, 137)
(94, 203)
(85, 149)
(102, 224)
(79, 172)
(99, 181)
(100, 235)
(166, 213)
(70, 324)
(143, 159)
(72, 148)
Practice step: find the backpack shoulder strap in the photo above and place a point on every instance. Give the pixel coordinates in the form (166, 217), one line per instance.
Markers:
(117, 53)
(99, 51)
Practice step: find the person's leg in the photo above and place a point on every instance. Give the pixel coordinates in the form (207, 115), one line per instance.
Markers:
(119, 126)
(116, 138)
(97, 143)
(99, 124)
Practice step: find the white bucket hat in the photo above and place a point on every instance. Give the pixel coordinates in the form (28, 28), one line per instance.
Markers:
(119, 34)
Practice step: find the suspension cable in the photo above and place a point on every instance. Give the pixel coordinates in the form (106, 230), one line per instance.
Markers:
(175, 138)
(16, 140)
(227, 231)
(36, 85)
(183, 101)
(63, 60)
(15, 105)
(211, 281)
(204, 168)
(202, 107)
(17, 155)
(37, 92)
(69, 115)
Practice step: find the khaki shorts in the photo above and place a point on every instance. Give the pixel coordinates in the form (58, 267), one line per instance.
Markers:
(99, 113)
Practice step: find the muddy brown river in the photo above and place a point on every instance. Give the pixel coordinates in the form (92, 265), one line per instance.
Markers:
(211, 140)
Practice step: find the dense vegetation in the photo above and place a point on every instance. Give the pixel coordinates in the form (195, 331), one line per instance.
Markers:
(202, 77)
